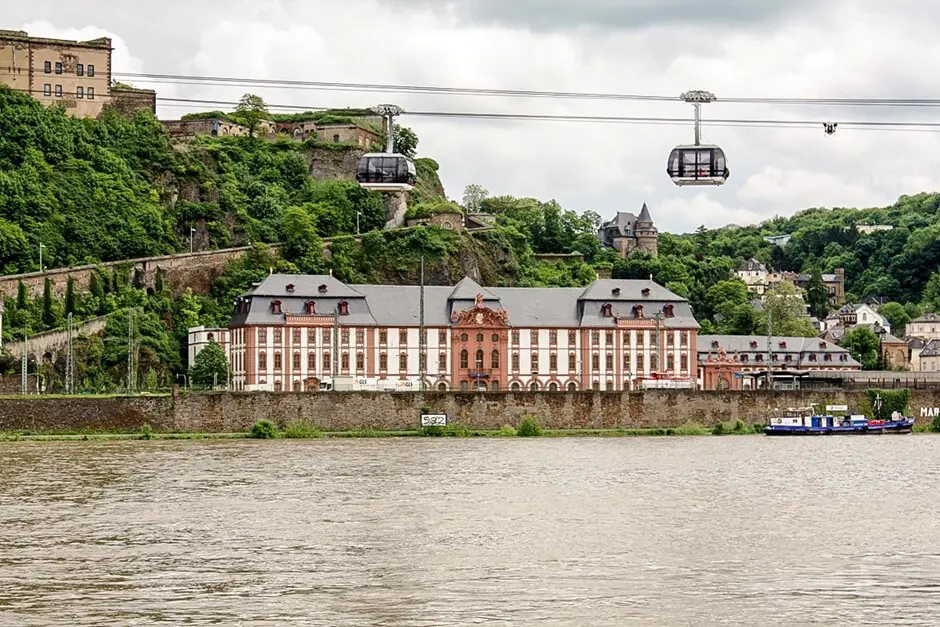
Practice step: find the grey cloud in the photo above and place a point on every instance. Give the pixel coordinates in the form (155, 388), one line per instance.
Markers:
(614, 14)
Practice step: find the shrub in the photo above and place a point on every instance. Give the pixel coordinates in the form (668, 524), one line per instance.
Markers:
(146, 432)
(507, 431)
(718, 429)
(301, 429)
(739, 426)
(264, 430)
(935, 425)
(529, 427)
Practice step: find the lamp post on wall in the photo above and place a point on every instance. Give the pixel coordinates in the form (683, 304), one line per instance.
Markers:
(358, 213)
(41, 246)
(192, 233)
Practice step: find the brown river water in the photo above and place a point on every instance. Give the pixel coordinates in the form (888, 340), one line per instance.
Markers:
(394, 532)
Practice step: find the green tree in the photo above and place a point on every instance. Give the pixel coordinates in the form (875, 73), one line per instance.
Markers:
(22, 297)
(250, 112)
(785, 308)
(865, 347)
(48, 312)
(473, 197)
(896, 316)
(302, 245)
(210, 367)
(817, 296)
(71, 298)
(406, 141)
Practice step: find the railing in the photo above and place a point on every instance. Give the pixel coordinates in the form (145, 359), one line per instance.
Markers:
(480, 374)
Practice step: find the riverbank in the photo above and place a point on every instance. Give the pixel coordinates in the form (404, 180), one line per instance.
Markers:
(306, 430)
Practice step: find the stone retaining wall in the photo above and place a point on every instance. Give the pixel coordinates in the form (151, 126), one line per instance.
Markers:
(227, 411)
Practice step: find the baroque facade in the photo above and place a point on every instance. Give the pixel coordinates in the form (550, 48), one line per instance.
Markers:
(627, 232)
(292, 332)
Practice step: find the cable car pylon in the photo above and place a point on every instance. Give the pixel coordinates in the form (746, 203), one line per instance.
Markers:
(386, 171)
(698, 163)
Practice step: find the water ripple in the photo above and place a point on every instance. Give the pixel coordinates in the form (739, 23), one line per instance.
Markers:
(583, 532)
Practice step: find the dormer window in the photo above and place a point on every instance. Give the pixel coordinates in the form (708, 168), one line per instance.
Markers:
(822, 345)
(782, 344)
(668, 311)
(645, 291)
(606, 310)
(828, 357)
(638, 311)
(615, 291)
(744, 357)
(276, 307)
(310, 307)
(759, 357)
(290, 288)
(344, 308)
(715, 344)
(843, 357)
(322, 288)
(812, 357)
(753, 344)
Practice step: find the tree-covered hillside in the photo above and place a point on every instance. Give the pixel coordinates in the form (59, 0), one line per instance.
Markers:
(116, 188)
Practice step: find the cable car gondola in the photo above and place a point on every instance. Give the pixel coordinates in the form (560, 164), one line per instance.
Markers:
(702, 164)
(383, 171)
(698, 163)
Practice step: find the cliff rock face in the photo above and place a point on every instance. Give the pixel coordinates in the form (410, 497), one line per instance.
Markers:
(327, 163)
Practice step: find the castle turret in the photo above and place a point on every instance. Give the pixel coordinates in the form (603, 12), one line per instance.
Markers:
(646, 233)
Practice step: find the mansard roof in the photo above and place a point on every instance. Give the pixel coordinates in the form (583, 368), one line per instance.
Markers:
(399, 305)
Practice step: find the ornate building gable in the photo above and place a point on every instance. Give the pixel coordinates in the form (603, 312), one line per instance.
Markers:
(480, 316)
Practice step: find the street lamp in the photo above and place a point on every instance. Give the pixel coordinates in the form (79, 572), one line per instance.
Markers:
(192, 232)
(358, 213)
(41, 246)
(185, 381)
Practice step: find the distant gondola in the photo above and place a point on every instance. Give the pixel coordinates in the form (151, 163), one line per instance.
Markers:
(386, 171)
(702, 164)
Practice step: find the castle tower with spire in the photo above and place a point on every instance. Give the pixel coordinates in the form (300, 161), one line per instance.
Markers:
(628, 232)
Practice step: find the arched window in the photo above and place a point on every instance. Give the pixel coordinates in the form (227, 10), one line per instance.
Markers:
(606, 310)
(552, 387)
(534, 386)
(463, 337)
(515, 387)
(464, 359)
(442, 387)
(572, 387)
(310, 307)
(638, 311)
(494, 359)
(344, 308)
(478, 362)
(668, 311)
(276, 306)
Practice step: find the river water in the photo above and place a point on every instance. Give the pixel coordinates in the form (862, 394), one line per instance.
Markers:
(395, 532)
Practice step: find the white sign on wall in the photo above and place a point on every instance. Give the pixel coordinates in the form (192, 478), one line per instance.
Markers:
(929, 412)
(433, 420)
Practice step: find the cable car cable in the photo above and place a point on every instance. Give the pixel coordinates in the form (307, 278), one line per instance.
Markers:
(472, 91)
(858, 125)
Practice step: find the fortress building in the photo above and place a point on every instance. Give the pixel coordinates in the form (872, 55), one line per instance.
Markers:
(628, 232)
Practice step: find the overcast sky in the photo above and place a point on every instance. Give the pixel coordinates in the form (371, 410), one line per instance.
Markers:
(734, 48)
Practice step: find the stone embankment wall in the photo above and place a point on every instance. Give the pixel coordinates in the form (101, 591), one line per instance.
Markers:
(196, 270)
(227, 412)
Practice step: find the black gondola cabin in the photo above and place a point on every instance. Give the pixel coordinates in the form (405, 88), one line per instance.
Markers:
(697, 165)
(386, 171)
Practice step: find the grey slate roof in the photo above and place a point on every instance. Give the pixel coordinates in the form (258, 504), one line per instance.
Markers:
(799, 348)
(932, 349)
(398, 305)
(927, 317)
(645, 215)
